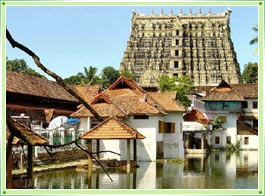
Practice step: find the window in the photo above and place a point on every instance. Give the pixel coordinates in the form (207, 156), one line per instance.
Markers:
(245, 104)
(217, 140)
(166, 127)
(140, 117)
(177, 42)
(176, 64)
(246, 140)
(177, 32)
(175, 75)
(176, 53)
(228, 140)
(255, 104)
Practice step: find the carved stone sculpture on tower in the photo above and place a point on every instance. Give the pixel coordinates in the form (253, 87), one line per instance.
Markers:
(195, 45)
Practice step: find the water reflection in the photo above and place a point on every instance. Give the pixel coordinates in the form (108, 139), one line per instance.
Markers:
(219, 170)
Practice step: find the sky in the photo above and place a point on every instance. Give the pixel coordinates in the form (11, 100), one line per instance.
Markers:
(69, 38)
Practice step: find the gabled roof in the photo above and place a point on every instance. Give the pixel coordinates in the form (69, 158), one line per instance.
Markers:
(35, 86)
(100, 98)
(124, 82)
(128, 98)
(112, 128)
(223, 92)
(195, 116)
(247, 91)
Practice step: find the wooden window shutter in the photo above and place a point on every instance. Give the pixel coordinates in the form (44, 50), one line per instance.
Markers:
(172, 128)
(223, 119)
(161, 127)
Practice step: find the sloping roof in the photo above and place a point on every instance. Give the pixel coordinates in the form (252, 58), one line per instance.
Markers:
(36, 113)
(87, 92)
(167, 101)
(124, 97)
(246, 90)
(112, 128)
(124, 82)
(105, 110)
(243, 129)
(27, 135)
(223, 92)
(195, 116)
(15, 139)
(35, 86)
(136, 105)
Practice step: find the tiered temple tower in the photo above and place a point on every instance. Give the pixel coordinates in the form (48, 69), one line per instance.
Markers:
(197, 45)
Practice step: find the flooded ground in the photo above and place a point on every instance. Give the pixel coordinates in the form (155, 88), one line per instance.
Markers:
(219, 170)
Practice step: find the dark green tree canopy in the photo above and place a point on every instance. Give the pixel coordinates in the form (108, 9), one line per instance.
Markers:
(20, 66)
(250, 73)
(90, 77)
(108, 76)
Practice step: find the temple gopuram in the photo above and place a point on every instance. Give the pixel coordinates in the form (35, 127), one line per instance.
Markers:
(196, 45)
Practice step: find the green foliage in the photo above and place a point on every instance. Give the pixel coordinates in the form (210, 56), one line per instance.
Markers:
(89, 76)
(234, 147)
(20, 66)
(250, 73)
(75, 80)
(126, 74)
(255, 39)
(167, 84)
(108, 76)
(183, 86)
(182, 98)
(217, 122)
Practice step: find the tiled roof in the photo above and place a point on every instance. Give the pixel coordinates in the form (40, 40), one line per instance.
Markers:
(243, 129)
(125, 98)
(167, 101)
(15, 139)
(246, 90)
(195, 116)
(136, 105)
(124, 82)
(112, 128)
(87, 92)
(35, 86)
(30, 136)
(36, 113)
(104, 110)
(223, 92)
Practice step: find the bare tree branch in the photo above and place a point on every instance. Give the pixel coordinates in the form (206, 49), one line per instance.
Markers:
(15, 132)
(58, 79)
(91, 155)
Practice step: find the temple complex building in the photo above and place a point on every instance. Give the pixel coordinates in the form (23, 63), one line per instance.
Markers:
(196, 45)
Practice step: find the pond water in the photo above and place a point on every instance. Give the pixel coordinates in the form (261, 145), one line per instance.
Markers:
(219, 170)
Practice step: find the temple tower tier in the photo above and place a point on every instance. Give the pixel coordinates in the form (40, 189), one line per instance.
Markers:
(196, 45)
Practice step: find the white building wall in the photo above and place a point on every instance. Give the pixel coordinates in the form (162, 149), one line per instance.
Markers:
(146, 148)
(253, 142)
(173, 143)
(229, 128)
